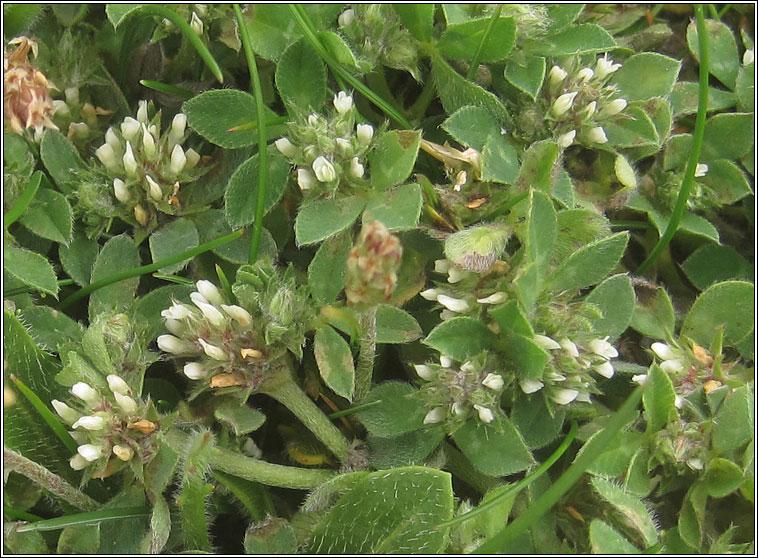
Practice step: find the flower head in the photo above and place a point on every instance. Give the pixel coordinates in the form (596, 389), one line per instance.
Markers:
(605, 67)
(343, 102)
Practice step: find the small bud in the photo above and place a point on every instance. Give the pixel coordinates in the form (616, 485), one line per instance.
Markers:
(425, 372)
(556, 76)
(72, 95)
(193, 158)
(672, 366)
(178, 126)
(496, 298)
(695, 464)
(60, 108)
(78, 463)
(305, 179)
(457, 408)
(148, 144)
(343, 102)
(640, 379)
(663, 351)
(323, 169)
(346, 18)
(476, 248)
(216, 353)
(143, 425)
(314, 119)
(85, 392)
(140, 215)
(446, 361)
(589, 110)
(117, 384)
(564, 396)
(176, 312)
(563, 103)
(605, 67)
(142, 112)
(130, 128)
(701, 170)
(195, 371)
(78, 130)
(120, 190)
(107, 157)
(90, 452)
(372, 266)
(225, 380)
(435, 415)
(238, 314)
(748, 57)
(175, 326)
(493, 381)
(127, 404)
(710, 385)
(546, 342)
(430, 294)
(178, 160)
(112, 139)
(64, 411)
(89, 423)
(468, 367)
(584, 75)
(209, 292)
(603, 348)
(584, 397)
(566, 139)
(356, 168)
(679, 401)
(174, 345)
(251, 353)
(124, 453)
(701, 355)
(130, 163)
(154, 188)
(454, 304)
(605, 369)
(196, 23)
(456, 274)
(597, 135)
(625, 172)
(613, 108)
(485, 415)
(211, 313)
(285, 147)
(441, 266)
(364, 132)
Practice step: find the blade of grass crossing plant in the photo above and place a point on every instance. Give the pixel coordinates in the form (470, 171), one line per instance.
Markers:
(227, 288)
(18, 514)
(354, 409)
(255, 81)
(150, 268)
(167, 88)
(26, 289)
(478, 54)
(519, 485)
(23, 200)
(86, 518)
(254, 124)
(697, 143)
(564, 483)
(47, 415)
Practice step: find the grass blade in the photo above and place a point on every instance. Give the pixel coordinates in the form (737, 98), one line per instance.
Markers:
(86, 518)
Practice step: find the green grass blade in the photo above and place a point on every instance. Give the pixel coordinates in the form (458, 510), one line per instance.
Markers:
(23, 200)
(86, 518)
(480, 48)
(354, 409)
(166, 88)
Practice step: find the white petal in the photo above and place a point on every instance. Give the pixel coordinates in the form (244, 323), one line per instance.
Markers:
(237, 313)
(495, 298)
(435, 415)
(546, 342)
(569, 346)
(425, 372)
(216, 353)
(662, 351)
(124, 453)
(446, 361)
(117, 384)
(453, 304)
(128, 404)
(430, 294)
(530, 386)
(485, 415)
(672, 366)
(90, 452)
(493, 381)
(209, 291)
(564, 396)
(78, 463)
(89, 423)
(64, 411)
(85, 392)
(195, 371)
(605, 369)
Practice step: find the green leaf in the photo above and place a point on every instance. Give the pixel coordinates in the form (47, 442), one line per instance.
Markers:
(241, 418)
(117, 12)
(241, 195)
(729, 305)
(394, 512)
(734, 423)
(271, 29)
(79, 539)
(326, 272)
(615, 457)
(335, 361)
(456, 91)
(212, 113)
(417, 18)
(395, 325)
(722, 477)
(510, 317)
(584, 38)
(160, 528)
(727, 181)
(406, 449)
(50, 327)
(471, 126)
(78, 258)
(541, 231)
(340, 51)
(712, 263)
(537, 165)
(70, 14)
(173, 238)
(537, 425)
(684, 98)
(461, 40)
(398, 209)
(124, 536)
(275, 536)
(690, 223)
(61, 160)
(634, 129)
(646, 75)
(528, 358)
(633, 511)
(527, 77)
(615, 299)
(746, 88)
(460, 338)
(323, 218)
(588, 265)
(604, 539)
(561, 16)
(147, 309)
(17, 18)
(211, 224)
(723, 57)
(17, 157)
(728, 136)
(495, 449)
(392, 159)
(118, 254)
(301, 78)
(30, 268)
(499, 160)
(399, 412)
(659, 400)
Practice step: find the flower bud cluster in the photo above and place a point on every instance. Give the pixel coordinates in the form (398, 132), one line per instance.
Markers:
(146, 167)
(566, 376)
(78, 117)
(27, 104)
(455, 393)
(689, 370)
(330, 153)
(372, 266)
(681, 447)
(111, 428)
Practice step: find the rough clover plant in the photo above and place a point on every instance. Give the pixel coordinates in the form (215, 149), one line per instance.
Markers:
(378, 279)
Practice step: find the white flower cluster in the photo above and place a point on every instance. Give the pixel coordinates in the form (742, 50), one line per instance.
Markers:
(457, 392)
(80, 117)
(105, 424)
(565, 373)
(147, 167)
(583, 97)
(328, 152)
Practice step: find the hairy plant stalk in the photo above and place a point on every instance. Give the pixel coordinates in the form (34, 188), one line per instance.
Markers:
(365, 369)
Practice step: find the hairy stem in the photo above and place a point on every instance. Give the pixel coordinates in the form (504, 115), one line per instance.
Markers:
(365, 370)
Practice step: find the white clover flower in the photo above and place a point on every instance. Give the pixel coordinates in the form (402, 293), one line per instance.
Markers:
(589, 110)
(211, 313)
(343, 102)
(142, 112)
(495, 298)
(90, 452)
(117, 385)
(174, 345)
(154, 188)
(435, 415)
(196, 23)
(112, 139)
(441, 266)
(603, 348)
(120, 190)
(485, 415)
(64, 411)
(193, 158)
(195, 371)
(446, 361)
(178, 126)
(176, 311)
(563, 103)
(425, 372)
(546, 342)
(126, 403)
(454, 304)
(209, 292)
(605, 67)
(346, 18)
(564, 140)
(749, 57)
(613, 108)
(584, 75)
(130, 163)
(663, 351)
(530, 386)
(305, 179)
(238, 314)
(176, 327)
(356, 168)
(286, 147)
(216, 353)
(323, 169)
(124, 453)
(564, 396)
(178, 160)
(556, 75)
(672, 366)
(569, 346)
(107, 157)
(85, 392)
(597, 135)
(493, 381)
(701, 170)
(78, 463)
(605, 369)
(148, 144)
(364, 132)
(430, 294)
(130, 128)
(455, 274)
